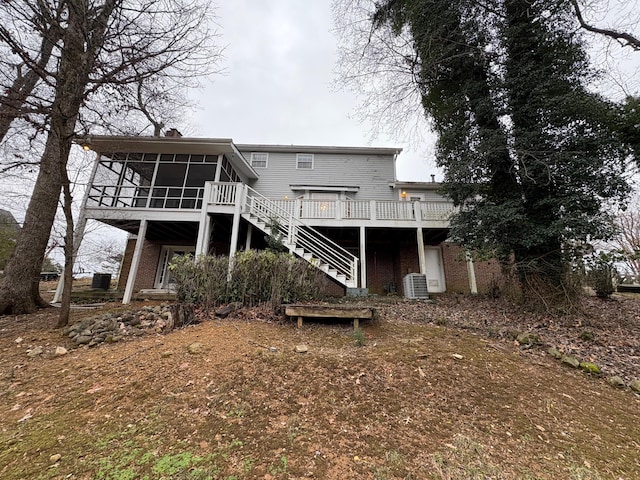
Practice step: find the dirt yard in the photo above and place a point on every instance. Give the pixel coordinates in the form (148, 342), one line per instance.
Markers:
(427, 391)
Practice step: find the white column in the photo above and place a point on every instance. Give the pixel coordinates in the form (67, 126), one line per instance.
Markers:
(135, 262)
(247, 244)
(471, 270)
(233, 247)
(421, 256)
(363, 257)
(78, 233)
(204, 226)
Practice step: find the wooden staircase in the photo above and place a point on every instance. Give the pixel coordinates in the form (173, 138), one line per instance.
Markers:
(300, 238)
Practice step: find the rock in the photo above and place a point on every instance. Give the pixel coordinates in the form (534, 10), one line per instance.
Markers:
(195, 348)
(301, 349)
(83, 339)
(635, 386)
(55, 458)
(225, 311)
(34, 352)
(616, 381)
(555, 353)
(571, 361)
(529, 339)
(18, 340)
(590, 367)
(86, 333)
(61, 351)
(166, 354)
(457, 356)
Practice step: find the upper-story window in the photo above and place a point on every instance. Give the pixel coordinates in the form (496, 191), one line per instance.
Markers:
(259, 159)
(304, 161)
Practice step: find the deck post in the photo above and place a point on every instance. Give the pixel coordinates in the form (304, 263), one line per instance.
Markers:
(235, 227)
(78, 233)
(204, 226)
(363, 257)
(135, 262)
(247, 243)
(421, 256)
(473, 286)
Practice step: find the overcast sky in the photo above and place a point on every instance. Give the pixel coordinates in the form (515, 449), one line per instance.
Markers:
(279, 81)
(278, 87)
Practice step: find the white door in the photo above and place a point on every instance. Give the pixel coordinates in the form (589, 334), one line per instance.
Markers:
(164, 277)
(435, 270)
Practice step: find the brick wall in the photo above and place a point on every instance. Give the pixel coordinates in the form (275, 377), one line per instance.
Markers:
(488, 273)
(147, 267)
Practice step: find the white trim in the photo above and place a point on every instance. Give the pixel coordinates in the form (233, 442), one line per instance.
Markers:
(325, 188)
(254, 158)
(135, 261)
(309, 156)
(166, 255)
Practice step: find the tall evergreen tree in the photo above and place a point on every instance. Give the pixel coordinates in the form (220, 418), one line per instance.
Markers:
(530, 155)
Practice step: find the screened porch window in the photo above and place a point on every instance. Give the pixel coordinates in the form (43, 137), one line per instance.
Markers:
(155, 180)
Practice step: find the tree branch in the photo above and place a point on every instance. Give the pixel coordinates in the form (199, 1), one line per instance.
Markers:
(624, 38)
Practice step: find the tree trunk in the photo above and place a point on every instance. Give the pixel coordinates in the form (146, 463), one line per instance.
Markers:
(19, 289)
(69, 253)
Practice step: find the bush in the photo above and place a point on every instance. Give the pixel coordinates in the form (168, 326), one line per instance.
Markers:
(602, 273)
(257, 277)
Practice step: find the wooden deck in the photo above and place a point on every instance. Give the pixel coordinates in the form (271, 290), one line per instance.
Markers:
(330, 311)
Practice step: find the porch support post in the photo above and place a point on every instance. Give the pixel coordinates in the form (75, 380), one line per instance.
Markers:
(471, 270)
(421, 257)
(216, 177)
(247, 244)
(78, 233)
(135, 262)
(240, 194)
(363, 257)
(204, 226)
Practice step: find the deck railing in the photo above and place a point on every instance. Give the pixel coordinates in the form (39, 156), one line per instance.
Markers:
(366, 210)
(298, 235)
(224, 194)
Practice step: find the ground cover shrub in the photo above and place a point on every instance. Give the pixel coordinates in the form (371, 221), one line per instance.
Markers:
(256, 278)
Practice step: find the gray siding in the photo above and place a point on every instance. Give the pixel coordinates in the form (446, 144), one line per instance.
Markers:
(371, 173)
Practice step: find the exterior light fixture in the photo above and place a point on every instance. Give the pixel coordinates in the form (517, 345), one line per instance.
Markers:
(86, 144)
(403, 194)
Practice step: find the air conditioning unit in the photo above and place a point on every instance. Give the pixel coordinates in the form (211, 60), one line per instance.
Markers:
(415, 286)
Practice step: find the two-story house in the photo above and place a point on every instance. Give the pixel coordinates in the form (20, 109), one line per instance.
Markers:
(340, 208)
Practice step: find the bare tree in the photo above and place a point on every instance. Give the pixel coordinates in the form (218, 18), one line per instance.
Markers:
(104, 47)
(627, 241)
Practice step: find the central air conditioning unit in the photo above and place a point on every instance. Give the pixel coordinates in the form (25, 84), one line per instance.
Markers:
(415, 285)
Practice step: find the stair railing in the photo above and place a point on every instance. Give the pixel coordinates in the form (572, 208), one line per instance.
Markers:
(298, 234)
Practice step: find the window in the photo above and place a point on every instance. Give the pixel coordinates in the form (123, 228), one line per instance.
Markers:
(259, 159)
(304, 161)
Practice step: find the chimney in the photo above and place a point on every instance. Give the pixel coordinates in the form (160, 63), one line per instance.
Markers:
(172, 132)
(433, 178)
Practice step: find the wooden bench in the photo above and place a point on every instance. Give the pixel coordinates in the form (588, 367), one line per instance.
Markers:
(330, 311)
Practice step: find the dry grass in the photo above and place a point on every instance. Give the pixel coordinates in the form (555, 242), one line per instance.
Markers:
(400, 406)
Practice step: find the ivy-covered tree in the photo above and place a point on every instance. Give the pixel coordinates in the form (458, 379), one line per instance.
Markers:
(531, 155)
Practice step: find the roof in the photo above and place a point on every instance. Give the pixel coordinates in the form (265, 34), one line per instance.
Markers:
(140, 144)
(249, 147)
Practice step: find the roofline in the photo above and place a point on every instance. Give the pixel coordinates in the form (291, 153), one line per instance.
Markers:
(416, 185)
(148, 144)
(261, 147)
